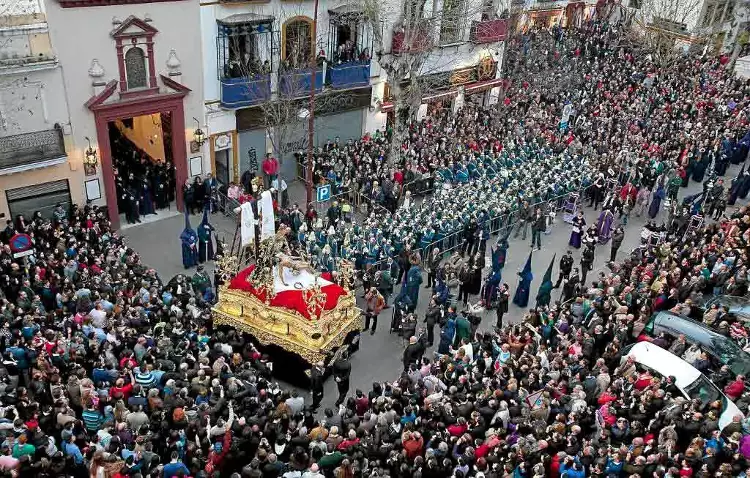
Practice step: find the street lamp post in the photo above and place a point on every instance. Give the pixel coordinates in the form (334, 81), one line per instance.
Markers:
(311, 109)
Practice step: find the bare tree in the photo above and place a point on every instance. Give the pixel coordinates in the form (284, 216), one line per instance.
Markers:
(656, 27)
(413, 66)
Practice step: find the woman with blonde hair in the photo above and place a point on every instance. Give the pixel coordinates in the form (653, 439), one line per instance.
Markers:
(121, 411)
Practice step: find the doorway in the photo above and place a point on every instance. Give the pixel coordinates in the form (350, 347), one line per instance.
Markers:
(345, 44)
(222, 167)
(170, 106)
(143, 166)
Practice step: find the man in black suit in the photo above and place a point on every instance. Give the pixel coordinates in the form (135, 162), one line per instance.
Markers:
(413, 352)
(538, 226)
(566, 265)
(317, 375)
(342, 369)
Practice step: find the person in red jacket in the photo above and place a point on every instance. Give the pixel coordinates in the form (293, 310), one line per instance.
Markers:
(350, 441)
(458, 428)
(413, 444)
(734, 390)
(270, 168)
(361, 402)
(554, 466)
(219, 449)
(606, 397)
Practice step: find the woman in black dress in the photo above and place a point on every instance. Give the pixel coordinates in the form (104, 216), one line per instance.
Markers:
(188, 196)
(199, 194)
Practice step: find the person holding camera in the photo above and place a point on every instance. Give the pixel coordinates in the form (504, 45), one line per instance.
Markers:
(375, 305)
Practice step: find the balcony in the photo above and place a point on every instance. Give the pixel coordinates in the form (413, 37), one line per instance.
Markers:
(243, 91)
(349, 75)
(297, 83)
(420, 41)
(488, 31)
(20, 152)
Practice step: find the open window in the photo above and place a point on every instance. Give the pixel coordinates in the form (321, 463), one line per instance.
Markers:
(349, 38)
(297, 42)
(244, 46)
(453, 21)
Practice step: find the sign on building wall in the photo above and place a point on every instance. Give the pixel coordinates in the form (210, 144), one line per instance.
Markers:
(222, 142)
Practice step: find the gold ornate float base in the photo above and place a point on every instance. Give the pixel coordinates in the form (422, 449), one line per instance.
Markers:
(313, 340)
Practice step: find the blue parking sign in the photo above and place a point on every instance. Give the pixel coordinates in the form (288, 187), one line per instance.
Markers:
(324, 193)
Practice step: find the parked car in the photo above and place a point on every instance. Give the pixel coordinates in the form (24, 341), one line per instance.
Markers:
(737, 306)
(720, 348)
(688, 379)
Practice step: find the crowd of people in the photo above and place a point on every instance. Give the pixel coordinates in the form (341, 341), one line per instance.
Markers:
(144, 185)
(634, 135)
(108, 371)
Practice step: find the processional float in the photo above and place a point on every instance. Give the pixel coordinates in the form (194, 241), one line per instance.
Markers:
(295, 314)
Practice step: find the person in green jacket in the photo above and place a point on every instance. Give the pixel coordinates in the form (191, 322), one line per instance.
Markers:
(463, 328)
(331, 459)
(22, 447)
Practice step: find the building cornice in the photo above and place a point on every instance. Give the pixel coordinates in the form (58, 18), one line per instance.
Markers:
(39, 27)
(31, 166)
(21, 68)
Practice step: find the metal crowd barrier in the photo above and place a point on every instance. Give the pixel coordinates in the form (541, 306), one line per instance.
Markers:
(371, 204)
(419, 187)
(226, 205)
(321, 207)
(498, 223)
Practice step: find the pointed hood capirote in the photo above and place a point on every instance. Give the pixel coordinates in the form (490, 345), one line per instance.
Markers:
(544, 295)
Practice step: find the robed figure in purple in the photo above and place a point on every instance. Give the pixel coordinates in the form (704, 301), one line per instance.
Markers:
(499, 256)
(579, 224)
(604, 226)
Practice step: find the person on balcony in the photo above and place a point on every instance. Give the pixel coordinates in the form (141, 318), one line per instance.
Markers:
(321, 59)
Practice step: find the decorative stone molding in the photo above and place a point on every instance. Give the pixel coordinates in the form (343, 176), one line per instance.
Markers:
(96, 73)
(173, 63)
(96, 70)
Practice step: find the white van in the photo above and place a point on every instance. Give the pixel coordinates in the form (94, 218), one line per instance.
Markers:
(691, 382)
